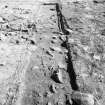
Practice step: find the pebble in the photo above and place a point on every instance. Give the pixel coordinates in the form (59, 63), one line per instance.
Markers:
(71, 40)
(83, 97)
(49, 53)
(53, 88)
(69, 30)
(60, 77)
(49, 103)
(56, 49)
(57, 76)
(63, 38)
(61, 65)
(35, 67)
(32, 47)
(96, 57)
(1, 20)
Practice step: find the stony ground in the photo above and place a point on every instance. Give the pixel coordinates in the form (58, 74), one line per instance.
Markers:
(52, 52)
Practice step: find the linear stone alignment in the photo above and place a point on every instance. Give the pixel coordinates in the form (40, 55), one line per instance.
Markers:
(52, 52)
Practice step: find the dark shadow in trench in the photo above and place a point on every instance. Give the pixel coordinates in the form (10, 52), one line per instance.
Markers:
(62, 24)
(71, 72)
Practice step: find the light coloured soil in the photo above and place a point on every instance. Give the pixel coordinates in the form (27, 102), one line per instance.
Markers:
(52, 52)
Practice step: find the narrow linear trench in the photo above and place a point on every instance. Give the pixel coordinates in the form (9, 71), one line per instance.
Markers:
(62, 24)
(70, 69)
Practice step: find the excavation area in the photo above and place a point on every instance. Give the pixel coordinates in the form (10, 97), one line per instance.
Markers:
(52, 52)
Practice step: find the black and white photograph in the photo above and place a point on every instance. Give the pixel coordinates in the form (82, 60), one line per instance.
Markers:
(52, 52)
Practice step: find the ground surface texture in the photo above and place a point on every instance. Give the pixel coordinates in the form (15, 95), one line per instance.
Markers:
(52, 52)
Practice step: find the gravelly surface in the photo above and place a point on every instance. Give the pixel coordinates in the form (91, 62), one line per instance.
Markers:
(52, 52)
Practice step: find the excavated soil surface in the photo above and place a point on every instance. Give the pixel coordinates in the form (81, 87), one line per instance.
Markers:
(52, 52)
